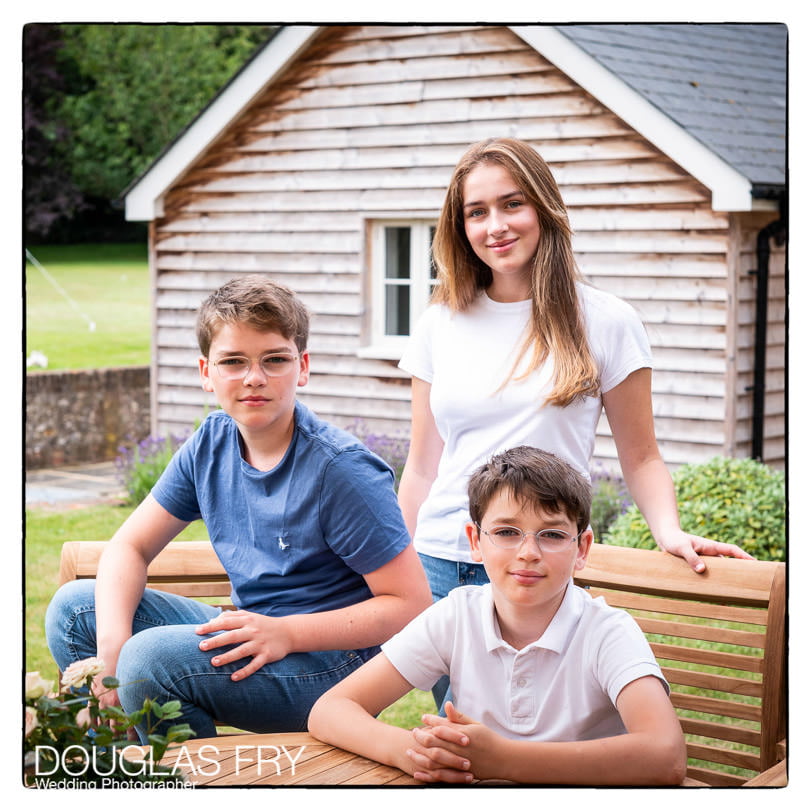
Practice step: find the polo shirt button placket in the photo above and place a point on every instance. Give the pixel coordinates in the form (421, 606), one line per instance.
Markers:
(521, 704)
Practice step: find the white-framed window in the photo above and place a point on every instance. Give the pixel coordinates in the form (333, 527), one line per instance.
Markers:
(402, 280)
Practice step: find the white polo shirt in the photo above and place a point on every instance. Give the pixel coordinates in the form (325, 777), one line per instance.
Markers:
(563, 687)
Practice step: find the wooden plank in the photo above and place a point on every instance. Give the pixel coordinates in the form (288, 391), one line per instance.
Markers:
(685, 292)
(194, 590)
(436, 112)
(179, 559)
(291, 242)
(430, 68)
(714, 778)
(774, 777)
(196, 284)
(360, 33)
(701, 361)
(358, 771)
(231, 179)
(654, 264)
(681, 219)
(715, 706)
(724, 580)
(723, 732)
(379, 775)
(231, 264)
(714, 681)
(713, 658)
(709, 633)
(727, 757)
(686, 608)
(638, 242)
(256, 221)
(775, 701)
(467, 42)
(542, 132)
(407, 90)
(267, 155)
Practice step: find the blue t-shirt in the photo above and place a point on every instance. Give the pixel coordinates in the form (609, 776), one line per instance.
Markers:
(296, 539)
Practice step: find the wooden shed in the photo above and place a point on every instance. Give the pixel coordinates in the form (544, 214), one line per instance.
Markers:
(324, 163)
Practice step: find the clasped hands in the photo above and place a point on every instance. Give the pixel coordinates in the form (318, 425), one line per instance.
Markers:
(454, 749)
(261, 638)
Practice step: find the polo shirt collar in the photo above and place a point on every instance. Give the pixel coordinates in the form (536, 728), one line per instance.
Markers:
(555, 637)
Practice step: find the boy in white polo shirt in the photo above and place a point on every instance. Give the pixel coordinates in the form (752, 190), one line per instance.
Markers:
(550, 686)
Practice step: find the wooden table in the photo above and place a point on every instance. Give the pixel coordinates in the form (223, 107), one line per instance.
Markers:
(298, 759)
(283, 759)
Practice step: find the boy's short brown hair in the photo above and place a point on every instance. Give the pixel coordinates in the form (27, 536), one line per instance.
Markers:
(536, 477)
(258, 302)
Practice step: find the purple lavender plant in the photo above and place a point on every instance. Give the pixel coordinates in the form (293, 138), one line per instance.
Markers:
(610, 499)
(391, 449)
(140, 464)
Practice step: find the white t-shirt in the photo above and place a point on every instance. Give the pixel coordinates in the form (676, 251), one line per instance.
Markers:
(466, 357)
(563, 687)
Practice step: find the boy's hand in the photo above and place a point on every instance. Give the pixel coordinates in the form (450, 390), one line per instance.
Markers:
(255, 636)
(452, 749)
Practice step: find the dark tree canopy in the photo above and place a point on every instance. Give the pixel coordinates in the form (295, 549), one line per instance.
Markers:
(101, 101)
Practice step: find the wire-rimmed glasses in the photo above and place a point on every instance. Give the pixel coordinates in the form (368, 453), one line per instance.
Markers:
(548, 540)
(236, 367)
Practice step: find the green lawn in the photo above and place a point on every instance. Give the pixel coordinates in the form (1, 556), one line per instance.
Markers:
(107, 285)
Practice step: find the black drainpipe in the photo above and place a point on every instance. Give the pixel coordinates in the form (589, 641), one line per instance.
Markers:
(777, 230)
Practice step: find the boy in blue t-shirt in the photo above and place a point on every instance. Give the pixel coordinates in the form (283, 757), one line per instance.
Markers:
(303, 517)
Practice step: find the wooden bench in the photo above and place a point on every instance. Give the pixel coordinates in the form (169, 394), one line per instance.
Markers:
(720, 638)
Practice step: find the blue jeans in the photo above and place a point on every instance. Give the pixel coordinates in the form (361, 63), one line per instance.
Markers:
(444, 575)
(162, 661)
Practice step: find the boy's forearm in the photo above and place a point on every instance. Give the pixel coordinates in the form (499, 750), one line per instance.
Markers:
(342, 722)
(120, 583)
(361, 625)
(630, 759)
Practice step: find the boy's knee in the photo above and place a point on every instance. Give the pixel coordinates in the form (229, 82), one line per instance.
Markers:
(150, 663)
(134, 670)
(71, 599)
(70, 622)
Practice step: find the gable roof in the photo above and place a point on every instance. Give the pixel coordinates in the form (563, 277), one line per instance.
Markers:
(724, 84)
(695, 91)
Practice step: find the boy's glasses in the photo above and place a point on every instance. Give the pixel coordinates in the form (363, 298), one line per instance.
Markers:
(549, 540)
(237, 367)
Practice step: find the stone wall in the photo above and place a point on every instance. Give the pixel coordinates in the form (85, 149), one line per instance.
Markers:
(82, 416)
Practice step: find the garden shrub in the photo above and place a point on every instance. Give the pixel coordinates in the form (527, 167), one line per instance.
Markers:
(739, 501)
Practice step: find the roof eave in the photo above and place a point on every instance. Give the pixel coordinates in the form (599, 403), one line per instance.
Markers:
(731, 191)
(144, 200)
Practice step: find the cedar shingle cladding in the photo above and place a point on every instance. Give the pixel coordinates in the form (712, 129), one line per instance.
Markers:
(369, 123)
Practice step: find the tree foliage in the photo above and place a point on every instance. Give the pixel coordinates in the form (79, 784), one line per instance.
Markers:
(109, 98)
(49, 193)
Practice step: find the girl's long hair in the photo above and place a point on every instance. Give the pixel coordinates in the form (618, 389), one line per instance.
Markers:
(556, 324)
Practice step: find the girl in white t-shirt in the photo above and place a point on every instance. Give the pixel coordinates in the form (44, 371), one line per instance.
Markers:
(517, 349)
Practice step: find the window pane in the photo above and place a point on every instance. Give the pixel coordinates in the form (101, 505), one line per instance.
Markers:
(398, 312)
(398, 253)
